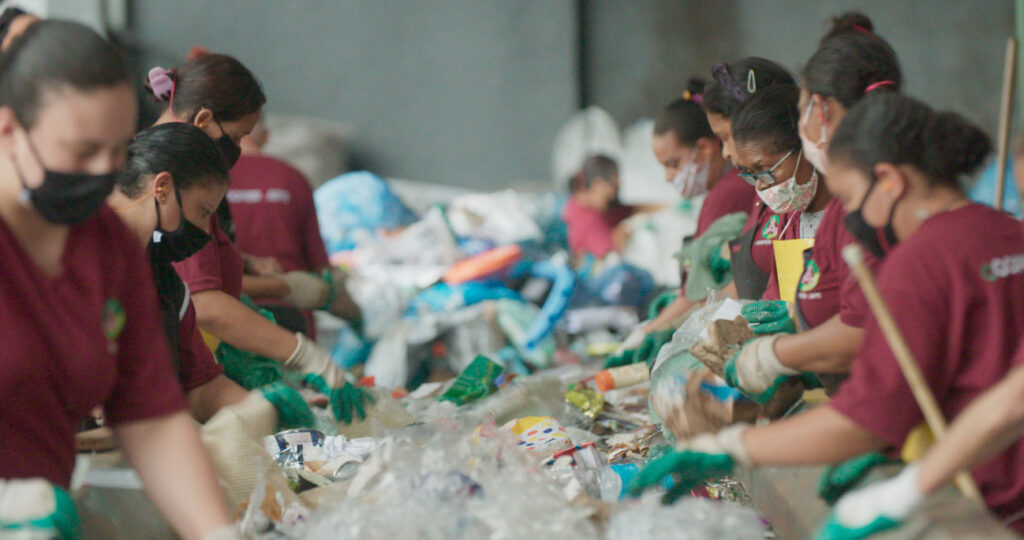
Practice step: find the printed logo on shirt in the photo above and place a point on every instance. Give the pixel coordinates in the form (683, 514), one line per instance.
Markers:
(812, 275)
(771, 229)
(255, 196)
(1002, 267)
(113, 323)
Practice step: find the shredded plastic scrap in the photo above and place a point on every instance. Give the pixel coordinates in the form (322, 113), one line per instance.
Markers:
(688, 519)
(449, 481)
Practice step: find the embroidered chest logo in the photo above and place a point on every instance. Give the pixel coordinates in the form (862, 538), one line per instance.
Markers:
(113, 323)
(812, 275)
(771, 229)
(1002, 267)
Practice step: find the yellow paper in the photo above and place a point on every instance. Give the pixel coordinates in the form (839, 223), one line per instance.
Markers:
(211, 340)
(919, 440)
(789, 265)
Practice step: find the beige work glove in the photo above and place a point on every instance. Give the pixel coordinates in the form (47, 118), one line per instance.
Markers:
(758, 367)
(310, 359)
(724, 339)
(231, 439)
(227, 532)
(305, 290)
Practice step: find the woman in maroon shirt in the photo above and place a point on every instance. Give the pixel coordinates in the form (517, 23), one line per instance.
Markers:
(894, 164)
(220, 96)
(77, 293)
(850, 63)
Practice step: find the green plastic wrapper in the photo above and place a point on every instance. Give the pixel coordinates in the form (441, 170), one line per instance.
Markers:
(587, 400)
(475, 382)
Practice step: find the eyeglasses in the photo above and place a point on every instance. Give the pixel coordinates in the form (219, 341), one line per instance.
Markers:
(768, 176)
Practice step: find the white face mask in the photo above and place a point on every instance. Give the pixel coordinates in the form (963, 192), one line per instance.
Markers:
(789, 196)
(815, 152)
(692, 178)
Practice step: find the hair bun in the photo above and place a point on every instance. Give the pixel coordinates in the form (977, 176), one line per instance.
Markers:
(161, 83)
(849, 22)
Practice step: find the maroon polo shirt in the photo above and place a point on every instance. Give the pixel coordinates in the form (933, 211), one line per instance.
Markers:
(218, 266)
(954, 288)
(91, 336)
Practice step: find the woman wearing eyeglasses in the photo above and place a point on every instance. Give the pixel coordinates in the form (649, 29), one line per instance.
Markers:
(849, 65)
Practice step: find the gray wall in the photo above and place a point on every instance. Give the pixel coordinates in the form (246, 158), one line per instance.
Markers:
(951, 51)
(457, 91)
(473, 92)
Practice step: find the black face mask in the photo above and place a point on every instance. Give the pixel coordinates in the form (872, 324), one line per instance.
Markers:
(228, 147)
(66, 198)
(878, 241)
(179, 244)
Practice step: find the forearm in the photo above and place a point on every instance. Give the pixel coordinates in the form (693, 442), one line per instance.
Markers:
(828, 348)
(260, 287)
(177, 473)
(816, 437)
(729, 291)
(669, 317)
(986, 427)
(211, 397)
(235, 323)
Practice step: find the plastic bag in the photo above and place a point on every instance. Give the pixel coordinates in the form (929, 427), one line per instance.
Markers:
(641, 177)
(388, 363)
(498, 217)
(690, 518)
(354, 206)
(515, 319)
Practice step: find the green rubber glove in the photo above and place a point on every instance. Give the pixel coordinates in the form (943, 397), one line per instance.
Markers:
(624, 358)
(661, 302)
(34, 508)
(769, 317)
(688, 468)
(719, 265)
(475, 382)
(878, 507)
(834, 530)
(292, 409)
(347, 401)
(837, 480)
(649, 349)
(705, 457)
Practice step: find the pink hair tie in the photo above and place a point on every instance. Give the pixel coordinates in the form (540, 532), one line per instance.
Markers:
(161, 83)
(877, 85)
(862, 30)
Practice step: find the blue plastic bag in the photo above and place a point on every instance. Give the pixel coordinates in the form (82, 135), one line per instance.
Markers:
(984, 190)
(354, 206)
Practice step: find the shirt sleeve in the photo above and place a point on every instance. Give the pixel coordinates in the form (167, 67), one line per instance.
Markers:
(146, 383)
(202, 271)
(876, 396)
(196, 363)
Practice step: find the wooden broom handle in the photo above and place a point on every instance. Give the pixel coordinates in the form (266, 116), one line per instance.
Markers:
(911, 371)
(1005, 113)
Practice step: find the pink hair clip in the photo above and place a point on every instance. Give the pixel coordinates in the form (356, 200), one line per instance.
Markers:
(877, 85)
(161, 82)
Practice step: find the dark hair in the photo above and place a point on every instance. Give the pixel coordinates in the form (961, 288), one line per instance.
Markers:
(53, 54)
(215, 81)
(846, 65)
(848, 23)
(892, 128)
(728, 86)
(594, 167)
(769, 118)
(685, 117)
(181, 149)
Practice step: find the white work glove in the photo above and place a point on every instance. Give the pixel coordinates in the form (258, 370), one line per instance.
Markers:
(633, 340)
(33, 508)
(227, 532)
(305, 290)
(310, 359)
(757, 366)
(726, 441)
(878, 507)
